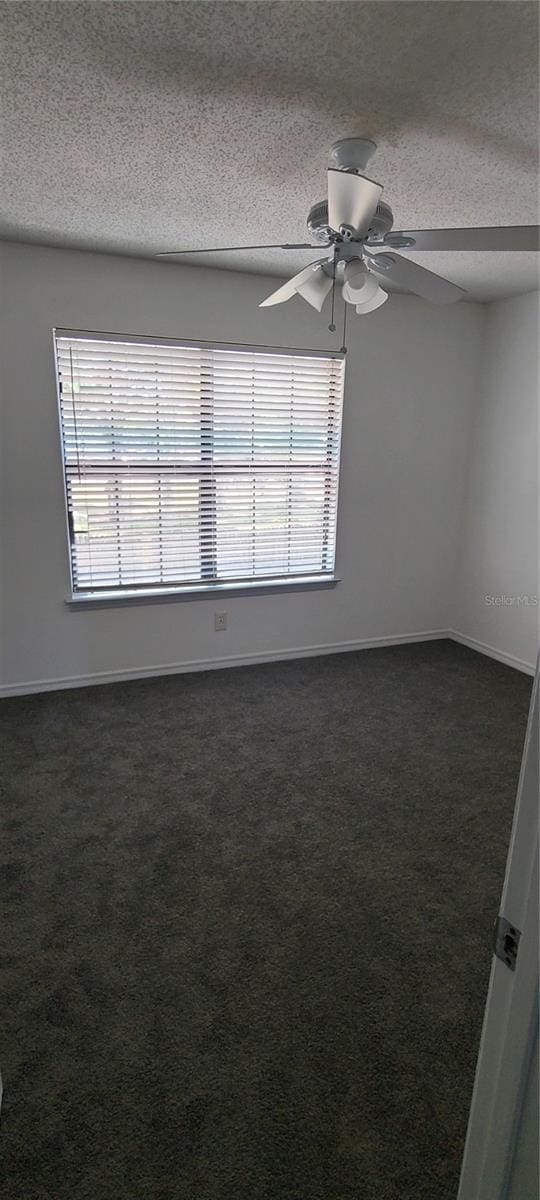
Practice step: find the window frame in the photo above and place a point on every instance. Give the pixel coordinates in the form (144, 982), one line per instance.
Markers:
(199, 589)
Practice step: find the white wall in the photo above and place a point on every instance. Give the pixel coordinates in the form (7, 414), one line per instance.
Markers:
(410, 378)
(497, 577)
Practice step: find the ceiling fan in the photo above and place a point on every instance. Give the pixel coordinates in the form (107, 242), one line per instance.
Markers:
(354, 226)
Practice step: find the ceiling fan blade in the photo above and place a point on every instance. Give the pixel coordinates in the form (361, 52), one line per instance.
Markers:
(352, 200)
(314, 295)
(415, 279)
(501, 237)
(220, 249)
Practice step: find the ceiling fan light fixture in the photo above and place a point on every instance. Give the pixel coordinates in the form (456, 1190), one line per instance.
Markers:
(371, 305)
(316, 287)
(360, 286)
(313, 284)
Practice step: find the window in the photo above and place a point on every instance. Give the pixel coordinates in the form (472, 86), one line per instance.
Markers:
(197, 466)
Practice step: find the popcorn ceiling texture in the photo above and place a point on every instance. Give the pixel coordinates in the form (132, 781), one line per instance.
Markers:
(139, 127)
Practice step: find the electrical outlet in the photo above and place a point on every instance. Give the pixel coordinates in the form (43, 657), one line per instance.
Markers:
(220, 621)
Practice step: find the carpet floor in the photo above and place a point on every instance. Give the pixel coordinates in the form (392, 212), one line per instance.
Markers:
(247, 926)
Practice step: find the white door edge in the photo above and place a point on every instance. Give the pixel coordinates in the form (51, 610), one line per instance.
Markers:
(512, 1003)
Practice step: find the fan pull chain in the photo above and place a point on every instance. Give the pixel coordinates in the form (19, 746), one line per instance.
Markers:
(345, 307)
(331, 326)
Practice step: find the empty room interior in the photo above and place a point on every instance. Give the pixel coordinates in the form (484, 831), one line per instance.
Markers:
(269, 610)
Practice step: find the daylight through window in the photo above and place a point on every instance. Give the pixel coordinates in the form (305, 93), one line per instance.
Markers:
(192, 465)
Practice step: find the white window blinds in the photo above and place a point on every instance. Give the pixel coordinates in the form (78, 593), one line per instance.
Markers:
(189, 465)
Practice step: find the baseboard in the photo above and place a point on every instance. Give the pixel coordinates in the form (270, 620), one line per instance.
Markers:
(213, 664)
(510, 660)
(245, 660)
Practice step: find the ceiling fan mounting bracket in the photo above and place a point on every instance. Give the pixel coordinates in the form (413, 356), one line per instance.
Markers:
(380, 262)
(352, 154)
(398, 241)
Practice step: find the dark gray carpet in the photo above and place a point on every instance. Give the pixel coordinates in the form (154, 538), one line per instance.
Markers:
(247, 927)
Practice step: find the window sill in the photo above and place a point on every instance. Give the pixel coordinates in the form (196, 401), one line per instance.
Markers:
(302, 583)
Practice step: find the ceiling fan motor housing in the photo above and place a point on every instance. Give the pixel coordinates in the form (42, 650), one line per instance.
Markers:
(317, 223)
(381, 222)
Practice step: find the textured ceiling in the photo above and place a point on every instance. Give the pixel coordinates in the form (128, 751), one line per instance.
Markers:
(138, 127)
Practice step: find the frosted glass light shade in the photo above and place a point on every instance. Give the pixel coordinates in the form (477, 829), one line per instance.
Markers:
(361, 288)
(316, 287)
(359, 285)
(313, 284)
(376, 302)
